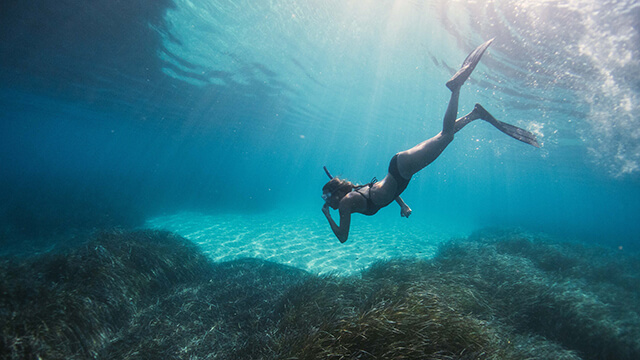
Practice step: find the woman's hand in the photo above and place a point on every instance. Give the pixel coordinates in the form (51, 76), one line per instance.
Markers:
(340, 231)
(405, 211)
(325, 210)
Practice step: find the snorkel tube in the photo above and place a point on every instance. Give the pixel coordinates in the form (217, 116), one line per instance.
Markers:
(327, 172)
(326, 196)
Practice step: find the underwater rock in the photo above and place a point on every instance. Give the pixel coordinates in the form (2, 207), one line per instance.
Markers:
(150, 294)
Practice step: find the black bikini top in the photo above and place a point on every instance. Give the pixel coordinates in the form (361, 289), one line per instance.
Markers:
(371, 207)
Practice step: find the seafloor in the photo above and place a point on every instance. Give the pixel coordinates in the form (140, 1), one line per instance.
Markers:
(305, 240)
(151, 294)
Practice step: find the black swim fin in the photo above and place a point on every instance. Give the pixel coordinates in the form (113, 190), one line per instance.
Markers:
(513, 131)
(467, 67)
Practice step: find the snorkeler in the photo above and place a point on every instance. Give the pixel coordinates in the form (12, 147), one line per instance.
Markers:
(348, 198)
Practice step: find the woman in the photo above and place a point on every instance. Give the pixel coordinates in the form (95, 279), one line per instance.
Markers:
(367, 199)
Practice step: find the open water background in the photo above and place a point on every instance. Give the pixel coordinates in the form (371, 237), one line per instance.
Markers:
(113, 113)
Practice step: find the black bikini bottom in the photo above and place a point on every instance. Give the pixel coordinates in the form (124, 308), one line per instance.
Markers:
(393, 170)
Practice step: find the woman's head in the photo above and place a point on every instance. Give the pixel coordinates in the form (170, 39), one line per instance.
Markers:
(336, 189)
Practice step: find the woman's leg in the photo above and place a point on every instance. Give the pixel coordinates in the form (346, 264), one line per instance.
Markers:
(415, 159)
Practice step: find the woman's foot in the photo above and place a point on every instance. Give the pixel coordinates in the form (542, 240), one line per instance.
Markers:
(467, 67)
(515, 132)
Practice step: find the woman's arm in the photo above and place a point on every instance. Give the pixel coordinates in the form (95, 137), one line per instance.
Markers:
(342, 231)
(405, 210)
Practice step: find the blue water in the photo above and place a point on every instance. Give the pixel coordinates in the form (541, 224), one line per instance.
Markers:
(113, 113)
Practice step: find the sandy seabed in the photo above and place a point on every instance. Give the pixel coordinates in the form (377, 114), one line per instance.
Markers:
(305, 241)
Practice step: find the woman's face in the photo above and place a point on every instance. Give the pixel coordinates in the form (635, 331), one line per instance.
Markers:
(331, 199)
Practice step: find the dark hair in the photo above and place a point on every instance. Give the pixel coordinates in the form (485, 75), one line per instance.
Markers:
(338, 186)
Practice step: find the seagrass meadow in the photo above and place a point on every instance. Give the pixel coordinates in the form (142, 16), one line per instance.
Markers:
(498, 294)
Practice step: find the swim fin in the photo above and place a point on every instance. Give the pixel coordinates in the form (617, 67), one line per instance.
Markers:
(513, 131)
(467, 67)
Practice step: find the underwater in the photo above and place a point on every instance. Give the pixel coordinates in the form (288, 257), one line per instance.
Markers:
(161, 179)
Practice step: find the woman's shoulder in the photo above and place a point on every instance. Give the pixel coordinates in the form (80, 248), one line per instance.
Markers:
(355, 200)
(358, 194)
